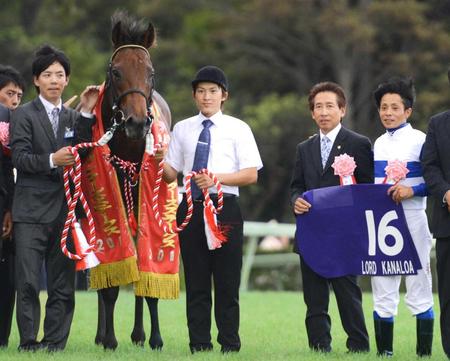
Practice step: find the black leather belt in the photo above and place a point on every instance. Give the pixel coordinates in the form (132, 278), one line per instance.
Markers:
(213, 197)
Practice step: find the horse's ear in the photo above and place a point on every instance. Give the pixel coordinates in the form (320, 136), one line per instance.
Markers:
(115, 35)
(149, 36)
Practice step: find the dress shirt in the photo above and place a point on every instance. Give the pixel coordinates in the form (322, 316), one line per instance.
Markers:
(232, 148)
(49, 108)
(331, 135)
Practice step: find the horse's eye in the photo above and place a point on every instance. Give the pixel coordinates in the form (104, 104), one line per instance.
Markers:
(116, 74)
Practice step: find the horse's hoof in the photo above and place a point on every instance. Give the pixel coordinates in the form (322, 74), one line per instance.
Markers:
(156, 343)
(99, 340)
(110, 344)
(138, 338)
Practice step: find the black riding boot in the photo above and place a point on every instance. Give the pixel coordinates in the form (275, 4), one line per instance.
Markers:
(424, 337)
(384, 335)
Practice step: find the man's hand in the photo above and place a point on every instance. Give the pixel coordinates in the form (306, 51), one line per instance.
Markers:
(88, 98)
(447, 199)
(399, 192)
(63, 157)
(7, 224)
(161, 152)
(301, 206)
(203, 181)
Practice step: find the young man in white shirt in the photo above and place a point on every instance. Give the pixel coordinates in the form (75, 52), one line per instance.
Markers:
(232, 155)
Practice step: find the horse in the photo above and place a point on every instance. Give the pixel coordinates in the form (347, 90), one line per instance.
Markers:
(128, 97)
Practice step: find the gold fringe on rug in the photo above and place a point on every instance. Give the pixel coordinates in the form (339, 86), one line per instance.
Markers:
(113, 274)
(164, 286)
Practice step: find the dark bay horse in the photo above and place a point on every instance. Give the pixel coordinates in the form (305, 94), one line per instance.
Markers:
(127, 100)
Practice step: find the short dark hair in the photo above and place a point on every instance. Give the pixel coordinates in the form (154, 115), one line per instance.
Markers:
(8, 74)
(327, 86)
(396, 85)
(45, 56)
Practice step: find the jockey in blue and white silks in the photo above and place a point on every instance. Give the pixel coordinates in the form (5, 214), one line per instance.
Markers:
(401, 142)
(405, 144)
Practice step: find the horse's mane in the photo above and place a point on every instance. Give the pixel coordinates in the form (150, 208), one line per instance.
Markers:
(132, 30)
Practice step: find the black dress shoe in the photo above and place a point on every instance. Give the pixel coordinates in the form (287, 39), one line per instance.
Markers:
(321, 348)
(30, 347)
(50, 347)
(358, 350)
(227, 349)
(201, 347)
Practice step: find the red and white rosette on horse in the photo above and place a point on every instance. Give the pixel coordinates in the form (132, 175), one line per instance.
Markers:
(396, 170)
(344, 166)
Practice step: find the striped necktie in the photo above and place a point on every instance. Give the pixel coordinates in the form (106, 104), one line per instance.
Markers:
(54, 119)
(325, 149)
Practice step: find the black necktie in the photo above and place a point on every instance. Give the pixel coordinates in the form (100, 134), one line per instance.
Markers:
(201, 154)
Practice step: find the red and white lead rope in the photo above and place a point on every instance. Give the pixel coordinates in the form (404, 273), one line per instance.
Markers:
(173, 228)
(130, 180)
(74, 172)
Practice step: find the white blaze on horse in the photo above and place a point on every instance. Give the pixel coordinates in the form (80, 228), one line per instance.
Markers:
(118, 181)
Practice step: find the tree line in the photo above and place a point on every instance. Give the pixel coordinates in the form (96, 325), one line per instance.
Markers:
(272, 51)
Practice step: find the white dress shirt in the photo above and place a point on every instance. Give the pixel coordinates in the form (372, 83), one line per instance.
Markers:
(232, 147)
(332, 134)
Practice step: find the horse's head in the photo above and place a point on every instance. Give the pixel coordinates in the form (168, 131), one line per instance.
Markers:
(130, 77)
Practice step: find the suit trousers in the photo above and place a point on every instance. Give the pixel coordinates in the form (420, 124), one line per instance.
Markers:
(7, 290)
(316, 293)
(222, 266)
(37, 243)
(443, 277)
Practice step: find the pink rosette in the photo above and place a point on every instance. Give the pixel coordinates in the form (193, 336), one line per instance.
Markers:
(344, 166)
(4, 133)
(396, 170)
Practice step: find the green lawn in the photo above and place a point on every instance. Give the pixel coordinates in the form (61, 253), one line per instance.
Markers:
(272, 328)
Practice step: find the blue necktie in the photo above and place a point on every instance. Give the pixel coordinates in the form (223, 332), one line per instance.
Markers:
(201, 154)
(325, 149)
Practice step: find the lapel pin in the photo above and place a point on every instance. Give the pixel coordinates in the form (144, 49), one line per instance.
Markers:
(338, 147)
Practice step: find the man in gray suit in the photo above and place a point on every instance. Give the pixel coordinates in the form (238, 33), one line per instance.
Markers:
(41, 133)
(436, 172)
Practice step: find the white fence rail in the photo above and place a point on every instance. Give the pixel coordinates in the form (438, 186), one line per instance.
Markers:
(252, 232)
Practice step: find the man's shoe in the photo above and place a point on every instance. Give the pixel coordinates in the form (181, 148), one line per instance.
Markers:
(228, 349)
(201, 347)
(358, 349)
(321, 348)
(30, 347)
(50, 347)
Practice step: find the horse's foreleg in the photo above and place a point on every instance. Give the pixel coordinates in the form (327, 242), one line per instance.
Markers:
(99, 337)
(109, 298)
(138, 334)
(156, 342)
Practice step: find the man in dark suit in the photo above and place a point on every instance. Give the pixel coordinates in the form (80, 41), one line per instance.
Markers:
(7, 290)
(12, 87)
(313, 170)
(41, 133)
(436, 172)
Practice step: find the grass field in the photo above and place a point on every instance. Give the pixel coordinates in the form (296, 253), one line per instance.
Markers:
(272, 328)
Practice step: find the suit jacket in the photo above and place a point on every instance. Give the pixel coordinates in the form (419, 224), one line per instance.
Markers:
(308, 171)
(436, 170)
(39, 192)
